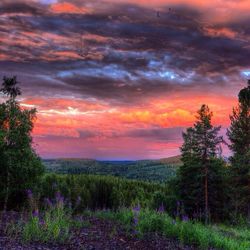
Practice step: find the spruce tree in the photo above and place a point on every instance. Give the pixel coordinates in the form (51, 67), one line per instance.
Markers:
(239, 135)
(201, 174)
(20, 166)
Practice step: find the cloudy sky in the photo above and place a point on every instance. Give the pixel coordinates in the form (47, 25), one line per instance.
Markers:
(121, 79)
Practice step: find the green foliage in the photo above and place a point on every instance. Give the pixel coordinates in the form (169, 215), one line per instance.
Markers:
(202, 176)
(99, 192)
(53, 226)
(148, 170)
(239, 135)
(188, 232)
(20, 167)
(149, 222)
(158, 199)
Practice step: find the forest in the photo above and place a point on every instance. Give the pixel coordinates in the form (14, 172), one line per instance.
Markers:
(199, 201)
(148, 170)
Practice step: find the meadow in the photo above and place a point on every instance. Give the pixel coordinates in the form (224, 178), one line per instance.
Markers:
(53, 208)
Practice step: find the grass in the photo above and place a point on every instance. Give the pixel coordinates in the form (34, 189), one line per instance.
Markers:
(53, 226)
(187, 232)
(56, 221)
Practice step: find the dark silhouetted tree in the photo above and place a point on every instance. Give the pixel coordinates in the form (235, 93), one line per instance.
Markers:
(239, 135)
(201, 175)
(19, 164)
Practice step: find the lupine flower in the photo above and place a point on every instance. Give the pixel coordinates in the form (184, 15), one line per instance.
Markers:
(29, 193)
(161, 209)
(184, 218)
(137, 208)
(136, 220)
(59, 197)
(42, 222)
(48, 202)
(136, 211)
(35, 213)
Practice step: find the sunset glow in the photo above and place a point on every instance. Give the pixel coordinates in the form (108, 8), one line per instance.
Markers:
(122, 79)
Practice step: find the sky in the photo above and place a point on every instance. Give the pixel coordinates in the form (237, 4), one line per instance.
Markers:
(121, 79)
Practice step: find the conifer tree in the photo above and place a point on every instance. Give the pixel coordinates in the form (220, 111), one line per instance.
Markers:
(201, 173)
(239, 135)
(19, 164)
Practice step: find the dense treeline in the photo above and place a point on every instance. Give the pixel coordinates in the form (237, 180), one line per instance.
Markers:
(147, 170)
(101, 192)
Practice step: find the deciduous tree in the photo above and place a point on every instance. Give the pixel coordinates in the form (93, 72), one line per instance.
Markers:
(20, 166)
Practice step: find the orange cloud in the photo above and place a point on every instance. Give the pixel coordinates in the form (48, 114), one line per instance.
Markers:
(66, 7)
(89, 128)
(220, 32)
(67, 117)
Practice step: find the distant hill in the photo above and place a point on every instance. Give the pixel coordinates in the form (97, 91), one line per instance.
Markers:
(149, 170)
(174, 160)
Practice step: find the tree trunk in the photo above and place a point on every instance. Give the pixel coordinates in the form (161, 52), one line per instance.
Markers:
(206, 196)
(6, 198)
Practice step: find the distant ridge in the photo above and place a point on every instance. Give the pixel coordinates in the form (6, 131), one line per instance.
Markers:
(174, 160)
(158, 170)
(74, 159)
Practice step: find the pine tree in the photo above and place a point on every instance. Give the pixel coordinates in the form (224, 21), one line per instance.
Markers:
(19, 164)
(239, 135)
(201, 173)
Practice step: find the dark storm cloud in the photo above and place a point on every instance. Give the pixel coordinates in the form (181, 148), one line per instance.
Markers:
(133, 39)
(85, 79)
(23, 8)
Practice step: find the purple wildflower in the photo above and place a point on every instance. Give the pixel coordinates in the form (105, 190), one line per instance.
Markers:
(29, 193)
(185, 218)
(136, 211)
(35, 213)
(161, 209)
(137, 208)
(59, 197)
(136, 220)
(42, 222)
(48, 202)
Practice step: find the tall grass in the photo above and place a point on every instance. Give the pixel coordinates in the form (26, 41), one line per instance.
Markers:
(50, 224)
(183, 230)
